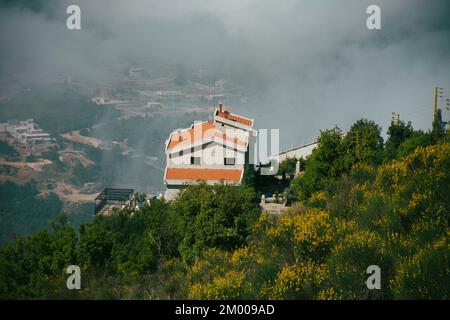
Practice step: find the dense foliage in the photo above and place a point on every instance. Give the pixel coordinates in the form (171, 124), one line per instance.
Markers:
(129, 244)
(396, 217)
(24, 211)
(359, 202)
(7, 150)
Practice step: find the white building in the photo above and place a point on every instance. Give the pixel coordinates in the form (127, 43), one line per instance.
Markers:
(297, 152)
(303, 151)
(212, 151)
(28, 133)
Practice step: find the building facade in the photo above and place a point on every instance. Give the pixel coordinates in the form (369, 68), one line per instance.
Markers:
(212, 151)
(297, 152)
(28, 133)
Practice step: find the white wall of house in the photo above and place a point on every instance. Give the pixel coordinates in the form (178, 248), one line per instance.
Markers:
(300, 152)
(212, 156)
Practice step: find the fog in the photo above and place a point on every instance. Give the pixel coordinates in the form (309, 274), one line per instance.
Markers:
(301, 65)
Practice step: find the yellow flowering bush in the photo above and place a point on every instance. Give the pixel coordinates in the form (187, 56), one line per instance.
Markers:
(318, 199)
(426, 274)
(213, 261)
(329, 294)
(313, 234)
(297, 281)
(231, 285)
(395, 216)
(350, 259)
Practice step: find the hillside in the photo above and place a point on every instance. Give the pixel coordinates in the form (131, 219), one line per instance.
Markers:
(36, 188)
(355, 205)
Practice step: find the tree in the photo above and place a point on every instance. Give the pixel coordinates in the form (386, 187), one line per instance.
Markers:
(213, 216)
(397, 133)
(249, 176)
(438, 126)
(27, 265)
(287, 167)
(95, 245)
(23, 211)
(417, 139)
(363, 144)
(326, 158)
(324, 164)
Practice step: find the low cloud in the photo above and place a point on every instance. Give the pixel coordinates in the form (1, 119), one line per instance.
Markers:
(302, 66)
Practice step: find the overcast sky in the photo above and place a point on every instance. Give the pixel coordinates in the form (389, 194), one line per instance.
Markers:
(308, 65)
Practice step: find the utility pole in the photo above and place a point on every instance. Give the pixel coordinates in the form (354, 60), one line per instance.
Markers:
(438, 93)
(395, 119)
(436, 90)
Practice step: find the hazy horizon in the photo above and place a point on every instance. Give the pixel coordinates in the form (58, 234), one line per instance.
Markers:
(302, 65)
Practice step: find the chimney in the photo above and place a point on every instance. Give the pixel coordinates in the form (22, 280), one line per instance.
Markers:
(220, 107)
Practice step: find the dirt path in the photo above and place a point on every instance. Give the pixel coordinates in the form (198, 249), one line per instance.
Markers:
(75, 154)
(71, 193)
(36, 166)
(77, 137)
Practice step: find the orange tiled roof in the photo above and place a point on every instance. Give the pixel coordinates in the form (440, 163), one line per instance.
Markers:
(235, 118)
(203, 174)
(208, 130)
(187, 136)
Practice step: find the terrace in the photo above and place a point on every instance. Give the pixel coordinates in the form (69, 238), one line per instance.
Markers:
(110, 198)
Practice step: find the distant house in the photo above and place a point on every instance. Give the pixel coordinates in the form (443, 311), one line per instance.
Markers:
(27, 132)
(212, 151)
(303, 151)
(297, 152)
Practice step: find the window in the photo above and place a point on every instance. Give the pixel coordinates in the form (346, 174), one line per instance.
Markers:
(229, 161)
(195, 160)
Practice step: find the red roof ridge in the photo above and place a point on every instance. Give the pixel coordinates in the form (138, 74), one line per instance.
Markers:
(224, 113)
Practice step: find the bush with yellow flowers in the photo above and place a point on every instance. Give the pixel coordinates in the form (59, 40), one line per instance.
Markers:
(302, 280)
(349, 260)
(424, 275)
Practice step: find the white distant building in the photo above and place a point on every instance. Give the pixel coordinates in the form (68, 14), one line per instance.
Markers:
(303, 151)
(28, 133)
(297, 152)
(212, 151)
(169, 93)
(135, 72)
(101, 100)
